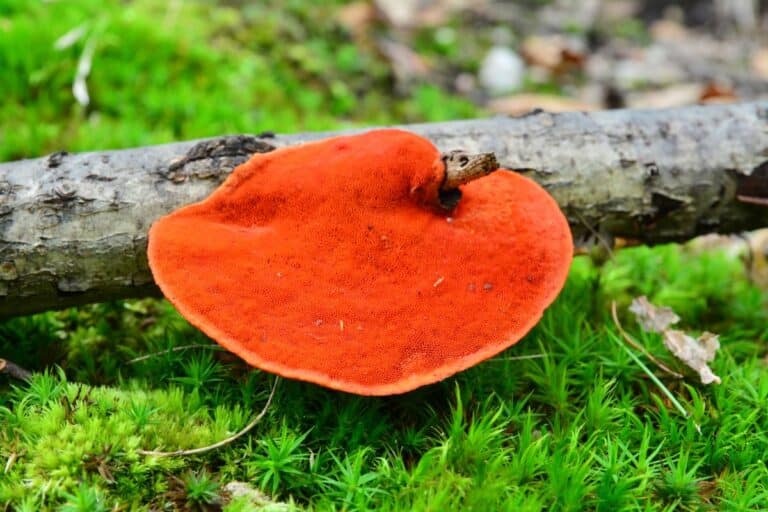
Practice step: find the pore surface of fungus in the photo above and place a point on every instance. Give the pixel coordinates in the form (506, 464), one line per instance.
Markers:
(332, 262)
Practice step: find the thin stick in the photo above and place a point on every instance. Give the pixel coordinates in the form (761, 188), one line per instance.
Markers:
(9, 462)
(639, 347)
(223, 442)
(14, 370)
(600, 237)
(173, 349)
(763, 201)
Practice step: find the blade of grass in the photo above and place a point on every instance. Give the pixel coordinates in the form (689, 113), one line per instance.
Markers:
(173, 349)
(639, 347)
(664, 389)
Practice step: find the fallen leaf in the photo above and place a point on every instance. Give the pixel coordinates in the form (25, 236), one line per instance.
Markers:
(717, 93)
(694, 352)
(652, 318)
(519, 104)
(553, 53)
(356, 18)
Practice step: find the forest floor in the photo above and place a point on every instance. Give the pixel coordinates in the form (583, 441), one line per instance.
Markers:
(570, 418)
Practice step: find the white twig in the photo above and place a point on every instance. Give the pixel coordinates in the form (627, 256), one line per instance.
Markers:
(223, 442)
(79, 86)
(70, 37)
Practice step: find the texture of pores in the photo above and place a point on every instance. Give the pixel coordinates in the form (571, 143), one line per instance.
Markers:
(330, 262)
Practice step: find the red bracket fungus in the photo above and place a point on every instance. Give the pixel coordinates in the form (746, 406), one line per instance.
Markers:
(337, 262)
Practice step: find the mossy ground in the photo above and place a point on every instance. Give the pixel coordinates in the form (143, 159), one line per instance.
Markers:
(565, 420)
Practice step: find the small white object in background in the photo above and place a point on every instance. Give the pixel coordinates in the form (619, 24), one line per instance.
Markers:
(501, 71)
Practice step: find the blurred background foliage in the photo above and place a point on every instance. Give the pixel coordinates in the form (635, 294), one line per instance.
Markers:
(162, 71)
(153, 71)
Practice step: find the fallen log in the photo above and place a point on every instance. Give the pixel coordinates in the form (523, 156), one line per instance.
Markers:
(73, 227)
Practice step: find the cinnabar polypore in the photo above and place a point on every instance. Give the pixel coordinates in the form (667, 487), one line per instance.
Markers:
(333, 262)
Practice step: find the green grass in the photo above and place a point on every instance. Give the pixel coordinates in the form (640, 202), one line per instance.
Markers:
(578, 425)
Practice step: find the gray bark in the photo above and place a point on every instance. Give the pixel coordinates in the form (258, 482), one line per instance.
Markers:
(73, 227)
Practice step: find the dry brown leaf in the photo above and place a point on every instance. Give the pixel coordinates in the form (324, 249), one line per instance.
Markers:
(542, 51)
(652, 318)
(694, 352)
(519, 104)
(356, 18)
(553, 53)
(717, 93)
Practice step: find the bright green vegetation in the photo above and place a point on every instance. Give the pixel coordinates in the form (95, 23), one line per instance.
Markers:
(565, 420)
(172, 70)
(578, 426)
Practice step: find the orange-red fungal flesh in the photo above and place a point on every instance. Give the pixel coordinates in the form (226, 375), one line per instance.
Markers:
(329, 262)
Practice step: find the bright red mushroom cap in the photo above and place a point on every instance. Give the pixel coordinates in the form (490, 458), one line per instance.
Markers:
(330, 262)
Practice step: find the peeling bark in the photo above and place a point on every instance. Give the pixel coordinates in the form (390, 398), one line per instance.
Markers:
(73, 227)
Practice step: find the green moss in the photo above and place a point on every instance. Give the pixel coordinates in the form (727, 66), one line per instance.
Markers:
(577, 426)
(565, 420)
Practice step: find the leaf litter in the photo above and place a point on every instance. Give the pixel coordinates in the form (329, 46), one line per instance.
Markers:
(694, 352)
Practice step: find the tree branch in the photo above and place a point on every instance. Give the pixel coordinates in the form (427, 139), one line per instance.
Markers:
(14, 370)
(73, 227)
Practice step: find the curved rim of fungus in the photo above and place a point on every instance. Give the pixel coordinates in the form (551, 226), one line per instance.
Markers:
(478, 166)
(402, 386)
